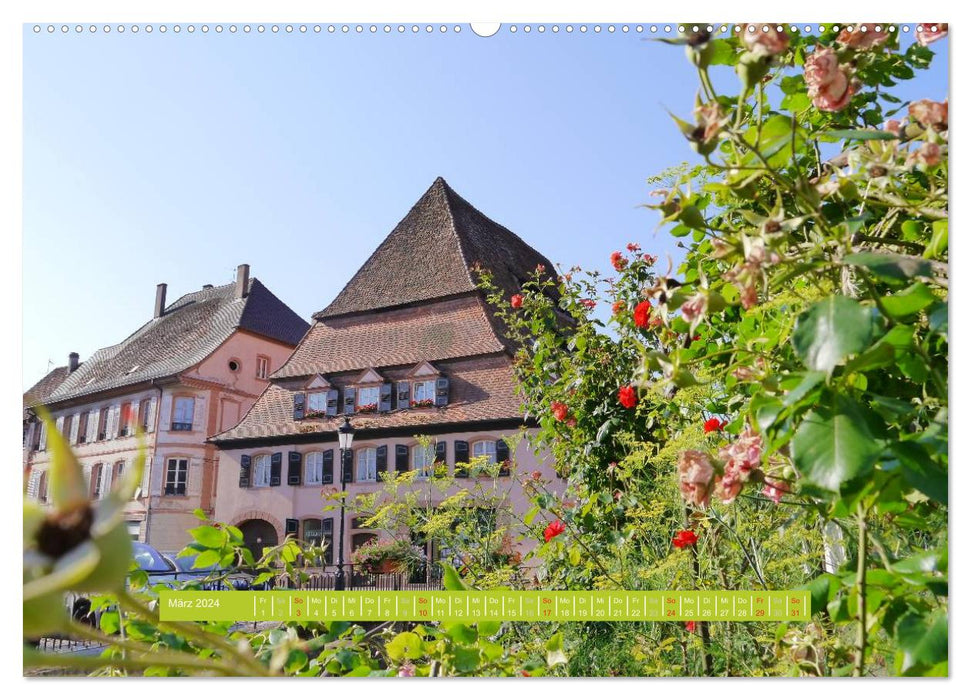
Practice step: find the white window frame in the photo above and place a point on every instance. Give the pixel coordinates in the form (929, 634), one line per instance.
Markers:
(322, 396)
(374, 391)
(262, 366)
(423, 460)
(178, 414)
(367, 464)
(485, 448)
(313, 468)
(423, 390)
(169, 469)
(261, 470)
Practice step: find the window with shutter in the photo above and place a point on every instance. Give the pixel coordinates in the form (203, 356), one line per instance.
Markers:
(299, 402)
(441, 448)
(381, 459)
(183, 413)
(111, 432)
(276, 468)
(441, 391)
(294, 467)
(332, 402)
(484, 449)
(73, 429)
(59, 424)
(404, 394)
(244, 471)
(176, 476)
(261, 471)
(124, 419)
(502, 456)
(327, 467)
(94, 425)
(349, 400)
(149, 422)
(423, 394)
(83, 427)
(367, 464)
(367, 399)
(401, 458)
(384, 401)
(461, 458)
(316, 404)
(347, 466)
(423, 457)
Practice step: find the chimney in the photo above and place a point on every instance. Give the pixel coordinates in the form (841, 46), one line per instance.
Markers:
(160, 300)
(207, 286)
(72, 361)
(242, 281)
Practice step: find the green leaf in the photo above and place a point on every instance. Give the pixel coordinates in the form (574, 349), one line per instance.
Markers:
(109, 622)
(908, 302)
(920, 471)
(830, 331)
(858, 135)
(451, 579)
(890, 267)
(835, 444)
(206, 559)
(922, 641)
(406, 645)
(554, 650)
(462, 633)
(488, 628)
(938, 243)
(208, 536)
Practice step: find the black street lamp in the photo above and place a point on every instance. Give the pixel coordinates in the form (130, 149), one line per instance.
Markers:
(345, 438)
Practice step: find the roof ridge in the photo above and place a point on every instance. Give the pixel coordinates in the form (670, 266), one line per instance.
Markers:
(446, 192)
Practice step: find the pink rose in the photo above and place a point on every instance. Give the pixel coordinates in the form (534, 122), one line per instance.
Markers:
(929, 114)
(774, 491)
(829, 84)
(893, 126)
(727, 488)
(929, 32)
(863, 40)
(695, 475)
(743, 455)
(764, 43)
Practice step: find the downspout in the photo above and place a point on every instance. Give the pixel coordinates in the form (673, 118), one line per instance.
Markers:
(151, 462)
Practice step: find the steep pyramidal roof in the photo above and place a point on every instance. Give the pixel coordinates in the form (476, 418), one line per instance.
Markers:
(187, 332)
(430, 254)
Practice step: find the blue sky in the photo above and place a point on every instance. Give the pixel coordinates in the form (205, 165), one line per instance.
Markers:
(172, 158)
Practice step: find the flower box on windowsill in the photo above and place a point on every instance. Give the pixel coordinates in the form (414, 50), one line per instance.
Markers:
(367, 408)
(423, 403)
(315, 414)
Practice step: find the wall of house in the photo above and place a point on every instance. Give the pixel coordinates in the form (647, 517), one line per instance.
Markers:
(113, 449)
(221, 396)
(275, 504)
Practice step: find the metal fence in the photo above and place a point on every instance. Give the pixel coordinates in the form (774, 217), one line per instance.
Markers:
(427, 578)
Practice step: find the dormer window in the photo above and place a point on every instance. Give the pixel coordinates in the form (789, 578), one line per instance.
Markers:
(367, 399)
(423, 393)
(316, 404)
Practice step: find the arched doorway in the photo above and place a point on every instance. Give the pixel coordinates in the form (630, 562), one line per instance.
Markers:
(258, 534)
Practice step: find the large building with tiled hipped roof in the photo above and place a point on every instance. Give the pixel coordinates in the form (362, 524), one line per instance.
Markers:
(189, 372)
(409, 349)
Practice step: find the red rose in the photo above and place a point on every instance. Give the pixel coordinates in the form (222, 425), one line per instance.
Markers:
(618, 307)
(690, 626)
(627, 396)
(684, 538)
(516, 300)
(618, 260)
(553, 529)
(713, 425)
(559, 410)
(642, 314)
(589, 303)
(633, 247)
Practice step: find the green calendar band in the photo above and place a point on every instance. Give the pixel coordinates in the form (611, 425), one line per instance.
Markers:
(473, 606)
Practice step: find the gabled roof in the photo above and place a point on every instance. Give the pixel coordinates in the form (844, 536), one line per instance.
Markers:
(189, 330)
(434, 331)
(430, 254)
(39, 393)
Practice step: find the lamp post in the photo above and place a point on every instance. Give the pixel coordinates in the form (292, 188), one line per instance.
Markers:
(345, 438)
